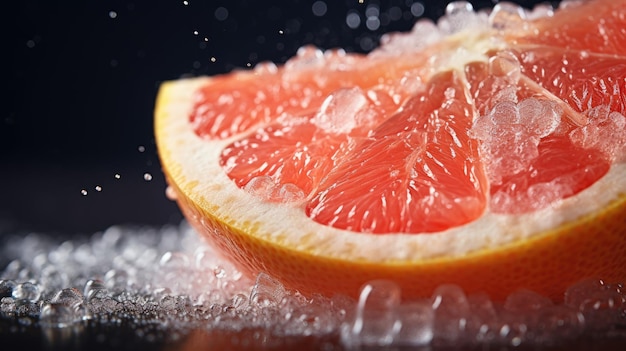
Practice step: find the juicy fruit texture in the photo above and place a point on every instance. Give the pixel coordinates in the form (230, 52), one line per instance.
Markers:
(496, 142)
(410, 145)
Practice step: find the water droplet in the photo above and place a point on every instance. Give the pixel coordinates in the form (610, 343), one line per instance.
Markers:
(95, 289)
(141, 148)
(98, 188)
(57, 315)
(27, 291)
(83, 192)
(112, 14)
(117, 176)
(68, 296)
(147, 177)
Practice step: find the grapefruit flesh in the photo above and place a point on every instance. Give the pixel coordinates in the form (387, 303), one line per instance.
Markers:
(490, 156)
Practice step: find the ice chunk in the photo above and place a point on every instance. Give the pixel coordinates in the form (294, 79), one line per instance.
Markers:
(605, 131)
(510, 134)
(451, 313)
(417, 324)
(58, 315)
(342, 111)
(540, 11)
(376, 321)
(267, 291)
(505, 65)
(424, 32)
(526, 300)
(507, 15)
(307, 57)
(459, 16)
(541, 117)
(267, 189)
(557, 324)
(261, 186)
(289, 192)
(175, 261)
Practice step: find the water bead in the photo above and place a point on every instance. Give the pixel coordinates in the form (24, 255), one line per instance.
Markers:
(27, 291)
(68, 296)
(95, 289)
(57, 315)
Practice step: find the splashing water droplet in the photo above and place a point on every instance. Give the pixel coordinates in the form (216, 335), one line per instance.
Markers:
(83, 192)
(147, 177)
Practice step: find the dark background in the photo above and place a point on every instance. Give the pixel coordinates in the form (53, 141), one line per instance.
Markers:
(83, 76)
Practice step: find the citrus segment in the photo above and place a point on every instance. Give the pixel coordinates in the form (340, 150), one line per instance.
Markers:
(415, 173)
(245, 99)
(583, 26)
(490, 156)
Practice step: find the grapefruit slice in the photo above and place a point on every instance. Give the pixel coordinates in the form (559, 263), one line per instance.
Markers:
(487, 150)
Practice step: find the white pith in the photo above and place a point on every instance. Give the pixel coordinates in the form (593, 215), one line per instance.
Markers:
(193, 164)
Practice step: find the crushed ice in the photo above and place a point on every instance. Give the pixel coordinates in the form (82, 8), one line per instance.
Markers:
(522, 126)
(169, 279)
